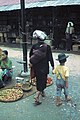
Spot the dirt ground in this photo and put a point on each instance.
(25, 110)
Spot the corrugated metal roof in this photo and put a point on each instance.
(8, 2)
(41, 4)
(9, 7)
(13, 2)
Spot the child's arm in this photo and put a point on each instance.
(53, 71)
(66, 82)
(66, 76)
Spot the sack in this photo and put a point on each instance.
(38, 55)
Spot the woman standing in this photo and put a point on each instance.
(69, 32)
(40, 55)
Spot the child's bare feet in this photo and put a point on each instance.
(58, 101)
(68, 98)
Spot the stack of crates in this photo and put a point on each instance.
(76, 47)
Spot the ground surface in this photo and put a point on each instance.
(24, 108)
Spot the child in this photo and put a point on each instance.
(62, 74)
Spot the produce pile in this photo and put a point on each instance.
(10, 94)
(49, 81)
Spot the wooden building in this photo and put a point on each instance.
(45, 15)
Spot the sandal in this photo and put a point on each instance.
(36, 99)
(43, 94)
(37, 103)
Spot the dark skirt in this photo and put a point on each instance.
(41, 80)
(69, 43)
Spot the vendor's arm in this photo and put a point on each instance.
(6, 65)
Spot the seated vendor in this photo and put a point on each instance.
(6, 66)
(1, 81)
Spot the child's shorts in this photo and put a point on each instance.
(61, 84)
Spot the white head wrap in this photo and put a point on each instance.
(69, 24)
(39, 34)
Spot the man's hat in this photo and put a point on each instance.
(62, 56)
(40, 34)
